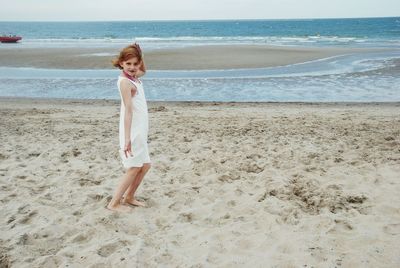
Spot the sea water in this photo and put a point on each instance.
(372, 76)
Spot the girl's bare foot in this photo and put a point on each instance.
(133, 202)
(119, 208)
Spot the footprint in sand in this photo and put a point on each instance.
(89, 182)
(231, 203)
(186, 217)
(170, 194)
(110, 248)
(34, 154)
(80, 238)
(23, 239)
(27, 218)
(251, 167)
(393, 229)
(341, 226)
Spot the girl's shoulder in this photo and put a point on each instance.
(128, 82)
(133, 81)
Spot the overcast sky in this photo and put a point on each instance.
(88, 10)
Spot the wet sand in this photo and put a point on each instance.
(188, 58)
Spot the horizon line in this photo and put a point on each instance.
(218, 19)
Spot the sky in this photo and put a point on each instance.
(122, 10)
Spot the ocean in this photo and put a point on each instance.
(366, 77)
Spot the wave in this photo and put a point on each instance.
(176, 41)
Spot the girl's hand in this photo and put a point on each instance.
(127, 148)
(142, 67)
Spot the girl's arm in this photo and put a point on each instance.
(142, 69)
(127, 90)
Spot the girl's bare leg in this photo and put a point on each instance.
(130, 192)
(127, 180)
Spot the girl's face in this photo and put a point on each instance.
(130, 66)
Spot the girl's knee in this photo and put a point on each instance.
(146, 166)
(133, 170)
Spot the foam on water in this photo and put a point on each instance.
(152, 43)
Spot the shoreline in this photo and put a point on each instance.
(202, 57)
(41, 100)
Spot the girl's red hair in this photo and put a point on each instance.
(131, 51)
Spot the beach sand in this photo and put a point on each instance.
(231, 185)
(187, 58)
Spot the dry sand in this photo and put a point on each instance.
(188, 58)
(231, 185)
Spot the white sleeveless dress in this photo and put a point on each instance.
(139, 128)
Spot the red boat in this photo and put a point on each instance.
(10, 38)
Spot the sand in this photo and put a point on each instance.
(231, 185)
(187, 58)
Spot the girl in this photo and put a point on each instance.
(133, 128)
